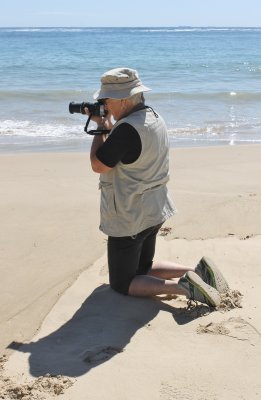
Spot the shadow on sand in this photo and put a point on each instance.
(100, 329)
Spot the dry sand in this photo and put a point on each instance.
(83, 341)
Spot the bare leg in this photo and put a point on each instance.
(145, 285)
(168, 270)
(158, 280)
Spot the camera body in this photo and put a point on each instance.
(96, 109)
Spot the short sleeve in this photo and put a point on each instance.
(123, 144)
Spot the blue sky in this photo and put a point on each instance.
(130, 13)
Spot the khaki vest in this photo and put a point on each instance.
(134, 196)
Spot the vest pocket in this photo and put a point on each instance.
(107, 207)
(154, 200)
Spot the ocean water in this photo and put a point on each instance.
(206, 82)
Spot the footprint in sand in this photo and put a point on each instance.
(101, 353)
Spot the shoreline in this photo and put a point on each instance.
(30, 145)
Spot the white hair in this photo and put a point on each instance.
(136, 99)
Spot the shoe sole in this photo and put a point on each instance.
(210, 293)
(218, 280)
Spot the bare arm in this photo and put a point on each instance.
(97, 165)
(98, 140)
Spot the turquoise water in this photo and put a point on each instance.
(206, 82)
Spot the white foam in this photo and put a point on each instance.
(31, 129)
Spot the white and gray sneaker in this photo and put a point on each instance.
(199, 290)
(210, 273)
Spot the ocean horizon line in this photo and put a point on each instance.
(132, 27)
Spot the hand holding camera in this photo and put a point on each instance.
(97, 113)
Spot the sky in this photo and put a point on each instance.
(129, 13)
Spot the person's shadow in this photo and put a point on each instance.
(100, 329)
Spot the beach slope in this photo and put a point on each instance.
(71, 335)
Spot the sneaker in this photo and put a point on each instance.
(209, 272)
(199, 290)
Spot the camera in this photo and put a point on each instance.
(96, 109)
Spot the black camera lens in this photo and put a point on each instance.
(75, 107)
(96, 109)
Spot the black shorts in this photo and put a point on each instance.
(129, 256)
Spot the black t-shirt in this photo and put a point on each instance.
(123, 144)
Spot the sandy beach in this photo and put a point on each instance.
(65, 333)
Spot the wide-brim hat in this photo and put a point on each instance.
(120, 83)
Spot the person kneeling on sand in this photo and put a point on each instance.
(133, 162)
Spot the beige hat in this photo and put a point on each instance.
(120, 83)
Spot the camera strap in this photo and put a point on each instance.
(94, 131)
(106, 131)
